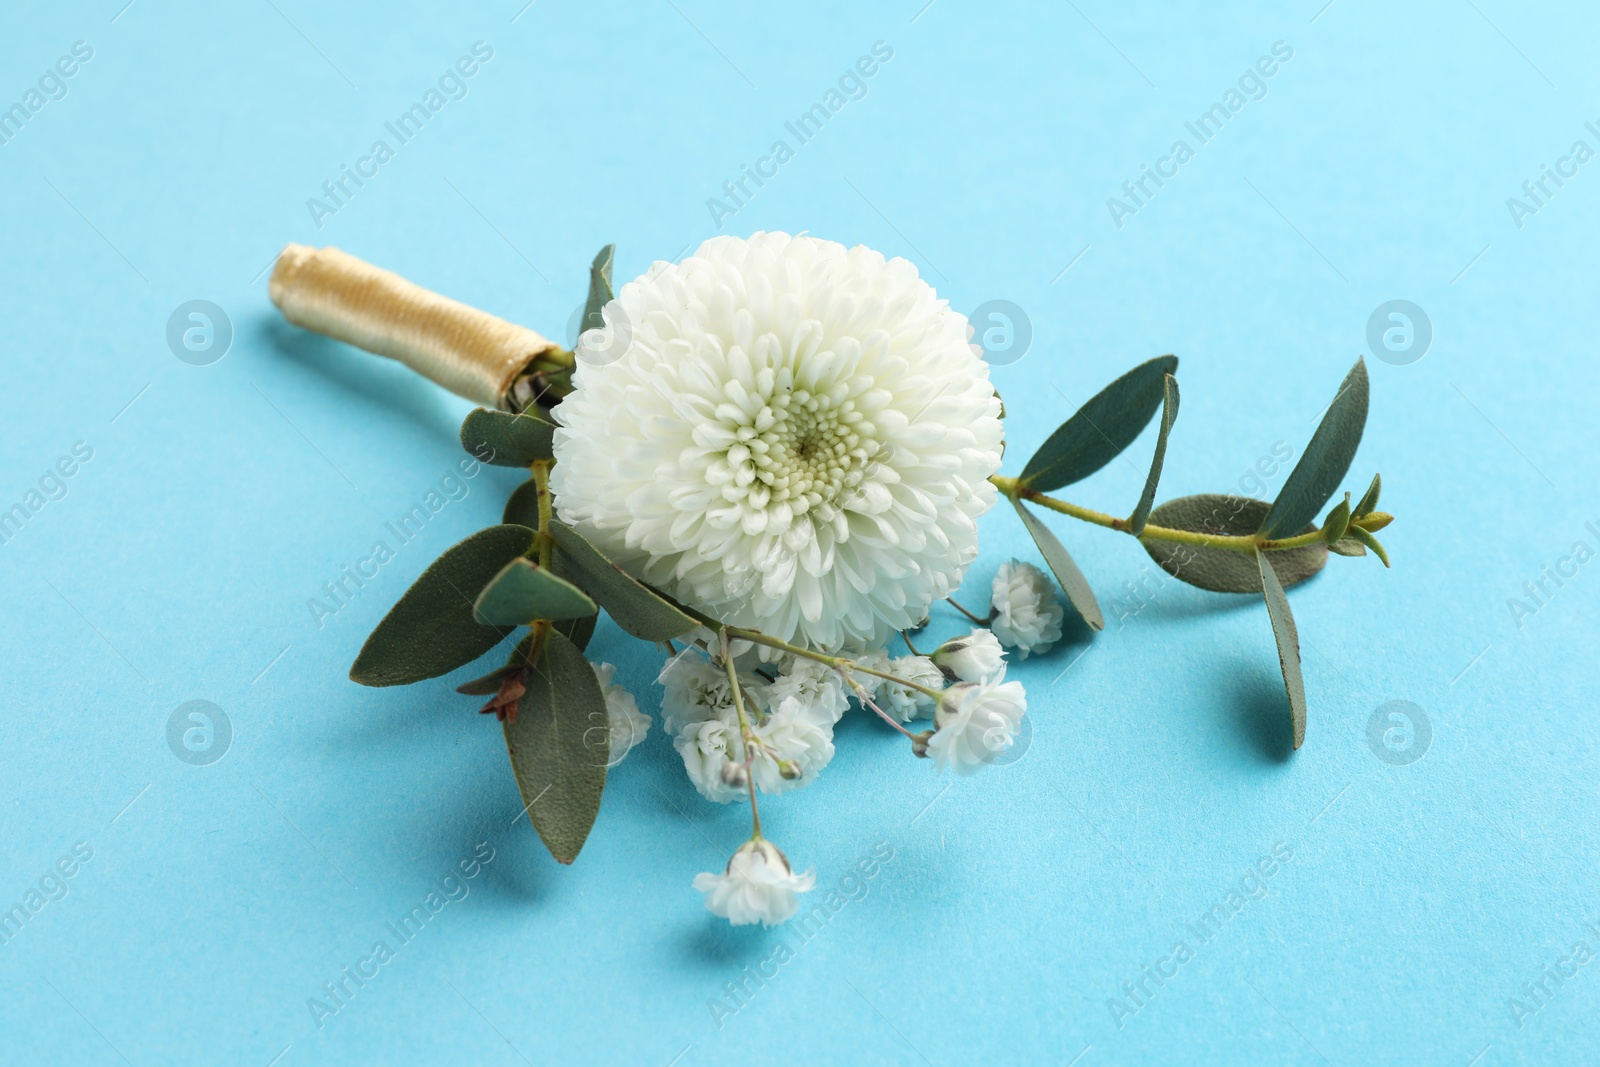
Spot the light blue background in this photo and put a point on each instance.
(1419, 898)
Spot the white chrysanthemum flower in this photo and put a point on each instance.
(903, 702)
(796, 437)
(817, 688)
(625, 724)
(758, 886)
(976, 721)
(705, 748)
(972, 658)
(1027, 612)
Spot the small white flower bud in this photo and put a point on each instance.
(734, 775)
(789, 770)
(970, 659)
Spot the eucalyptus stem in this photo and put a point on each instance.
(541, 483)
(746, 735)
(838, 663)
(1234, 543)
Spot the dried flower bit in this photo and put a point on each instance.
(504, 703)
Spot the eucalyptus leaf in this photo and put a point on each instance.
(1073, 583)
(1348, 546)
(523, 506)
(1101, 429)
(600, 293)
(1223, 570)
(1288, 639)
(559, 747)
(1337, 522)
(578, 630)
(634, 606)
(524, 591)
(1369, 499)
(1326, 459)
(507, 440)
(1371, 542)
(431, 630)
(1169, 415)
(489, 684)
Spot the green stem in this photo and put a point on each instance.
(838, 663)
(746, 735)
(541, 482)
(981, 622)
(867, 702)
(1232, 543)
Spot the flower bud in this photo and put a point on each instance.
(970, 659)
(789, 769)
(735, 775)
(919, 744)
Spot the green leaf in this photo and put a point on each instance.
(431, 631)
(600, 293)
(1369, 499)
(1337, 522)
(1223, 570)
(578, 630)
(1100, 429)
(635, 607)
(559, 747)
(506, 440)
(1325, 461)
(1169, 415)
(1371, 542)
(523, 506)
(1348, 546)
(523, 591)
(1288, 638)
(1067, 573)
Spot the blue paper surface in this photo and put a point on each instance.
(1417, 910)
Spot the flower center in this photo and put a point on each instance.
(795, 450)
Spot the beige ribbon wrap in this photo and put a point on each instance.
(471, 353)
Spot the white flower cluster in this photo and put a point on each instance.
(791, 717)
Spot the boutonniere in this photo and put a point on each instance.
(770, 460)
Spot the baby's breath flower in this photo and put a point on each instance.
(1027, 611)
(757, 886)
(976, 722)
(903, 702)
(626, 725)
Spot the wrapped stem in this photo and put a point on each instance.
(472, 353)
